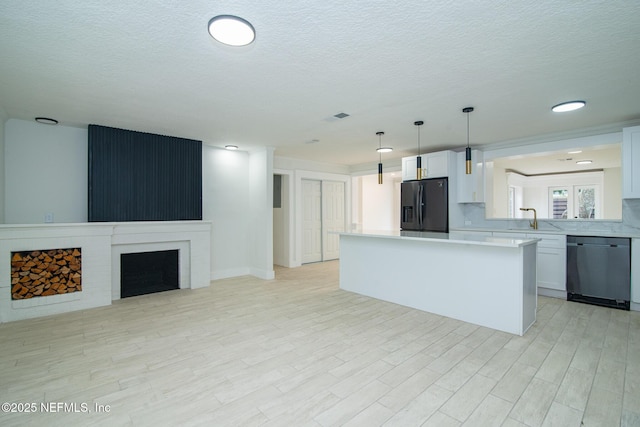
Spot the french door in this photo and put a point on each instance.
(577, 201)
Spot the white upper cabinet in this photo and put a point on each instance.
(631, 163)
(434, 165)
(409, 166)
(470, 187)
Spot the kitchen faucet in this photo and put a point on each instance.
(533, 224)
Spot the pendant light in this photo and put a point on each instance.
(379, 150)
(467, 151)
(419, 158)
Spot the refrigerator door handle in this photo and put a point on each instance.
(419, 206)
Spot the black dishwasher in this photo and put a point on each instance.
(599, 270)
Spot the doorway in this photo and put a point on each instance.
(323, 214)
(281, 220)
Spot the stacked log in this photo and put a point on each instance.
(46, 272)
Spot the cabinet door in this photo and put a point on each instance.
(552, 261)
(631, 163)
(551, 268)
(409, 165)
(437, 164)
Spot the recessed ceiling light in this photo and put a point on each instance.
(384, 149)
(231, 147)
(231, 30)
(568, 106)
(584, 162)
(46, 121)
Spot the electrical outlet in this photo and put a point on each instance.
(48, 217)
(467, 222)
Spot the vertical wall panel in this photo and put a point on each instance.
(136, 176)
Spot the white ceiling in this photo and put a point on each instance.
(152, 67)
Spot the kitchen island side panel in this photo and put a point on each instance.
(484, 285)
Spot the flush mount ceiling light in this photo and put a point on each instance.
(584, 162)
(231, 147)
(568, 106)
(46, 121)
(231, 30)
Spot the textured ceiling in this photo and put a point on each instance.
(152, 67)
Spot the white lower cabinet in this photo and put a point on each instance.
(552, 265)
(551, 262)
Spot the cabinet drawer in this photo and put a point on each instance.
(550, 240)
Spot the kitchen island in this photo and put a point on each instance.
(487, 281)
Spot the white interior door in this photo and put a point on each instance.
(332, 218)
(311, 221)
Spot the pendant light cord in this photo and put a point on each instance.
(467, 130)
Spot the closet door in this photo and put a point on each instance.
(332, 218)
(311, 221)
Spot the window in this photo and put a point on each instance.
(578, 201)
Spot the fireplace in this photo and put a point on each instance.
(92, 252)
(148, 272)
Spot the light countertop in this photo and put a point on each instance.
(595, 232)
(457, 237)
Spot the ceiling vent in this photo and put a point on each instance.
(340, 115)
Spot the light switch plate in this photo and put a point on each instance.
(48, 217)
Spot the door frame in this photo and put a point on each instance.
(290, 242)
(296, 235)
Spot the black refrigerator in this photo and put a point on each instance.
(425, 205)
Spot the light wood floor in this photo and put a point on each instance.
(298, 351)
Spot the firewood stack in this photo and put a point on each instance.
(47, 272)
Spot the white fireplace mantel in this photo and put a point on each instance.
(102, 244)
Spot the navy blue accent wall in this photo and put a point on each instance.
(137, 176)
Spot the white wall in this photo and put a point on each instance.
(380, 203)
(260, 225)
(286, 163)
(225, 202)
(3, 119)
(45, 171)
(611, 202)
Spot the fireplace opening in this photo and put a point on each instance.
(148, 272)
